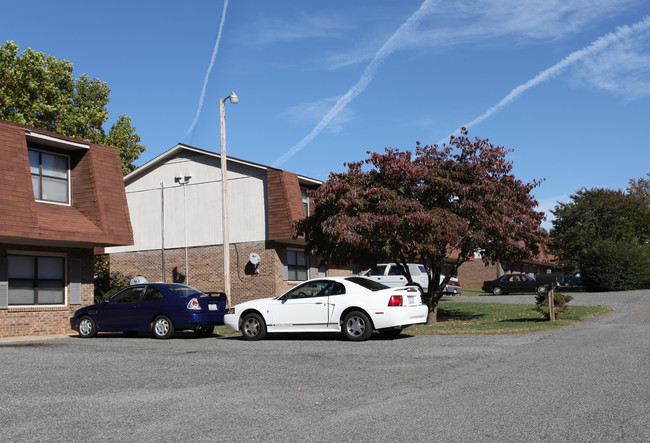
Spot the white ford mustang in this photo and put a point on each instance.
(352, 305)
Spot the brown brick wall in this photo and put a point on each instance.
(16, 322)
(206, 268)
(473, 273)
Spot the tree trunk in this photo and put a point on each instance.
(432, 317)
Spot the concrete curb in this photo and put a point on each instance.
(33, 338)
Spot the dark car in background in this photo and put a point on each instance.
(574, 279)
(514, 283)
(160, 308)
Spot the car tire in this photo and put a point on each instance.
(87, 327)
(253, 327)
(162, 327)
(356, 326)
(390, 332)
(497, 291)
(542, 289)
(204, 331)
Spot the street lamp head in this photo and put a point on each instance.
(233, 98)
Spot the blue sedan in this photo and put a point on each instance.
(161, 308)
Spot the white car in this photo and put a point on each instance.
(391, 275)
(352, 305)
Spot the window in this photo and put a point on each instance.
(296, 265)
(338, 289)
(129, 295)
(153, 294)
(308, 290)
(378, 270)
(367, 283)
(183, 290)
(49, 176)
(305, 200)
(36, 280)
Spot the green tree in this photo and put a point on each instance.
(39, 90)
(610, 265)
(597, 214)
(439, 206)
(123, 137)
(640, 189)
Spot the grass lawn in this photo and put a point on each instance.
(490, 318)
(500, 318)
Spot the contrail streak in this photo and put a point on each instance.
(597, 45)
(390, 46)
(207, 74)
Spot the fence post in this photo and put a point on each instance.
(551, 303)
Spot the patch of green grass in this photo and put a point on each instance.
(471, 292)
(500, 318)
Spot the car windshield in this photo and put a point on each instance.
(182, 290)
(377, 270)
(367, 283)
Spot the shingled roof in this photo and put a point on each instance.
(98, 214)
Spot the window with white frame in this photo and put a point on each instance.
(50, 173)
(36, 280)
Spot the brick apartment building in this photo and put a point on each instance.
(176, 213)
(59, 199)
(175, 201)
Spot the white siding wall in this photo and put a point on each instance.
(199, 214)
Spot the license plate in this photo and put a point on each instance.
(212, 307)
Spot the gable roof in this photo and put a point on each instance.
(183, 147)
(98, 215)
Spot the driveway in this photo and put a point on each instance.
(586, 383)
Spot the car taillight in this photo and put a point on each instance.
(395, 300)
(193, 305)
(453, 283)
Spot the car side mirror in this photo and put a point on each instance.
(107, 300)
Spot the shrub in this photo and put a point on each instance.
(107, 283)
(560, 300)
(112, 284)
(615, 266)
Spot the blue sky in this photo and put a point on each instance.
(565, 83)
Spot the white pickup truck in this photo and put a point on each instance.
(391, 275)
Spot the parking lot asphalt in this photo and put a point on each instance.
(585, 383)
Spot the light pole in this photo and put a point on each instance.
(184, 179)
(224, 193)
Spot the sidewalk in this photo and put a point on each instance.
(33, 338)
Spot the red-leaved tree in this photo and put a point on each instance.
(438, 206)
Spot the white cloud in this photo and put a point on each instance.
(484, 22)
(210, 66)
(532, 19)
(622, 69)
(597, 47)
(312, 112)
(271, 30)
(393, 42)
